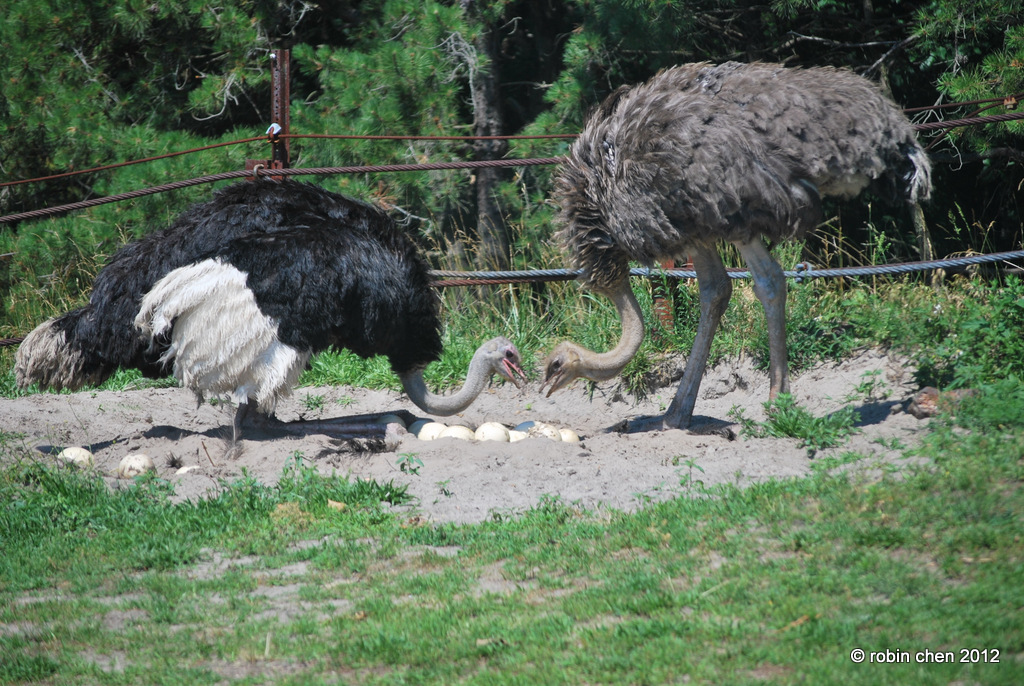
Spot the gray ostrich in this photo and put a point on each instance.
(704, 154)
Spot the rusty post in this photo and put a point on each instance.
(280, 63)
(662, 304)
(280, 125)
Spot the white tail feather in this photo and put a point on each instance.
(221, 343)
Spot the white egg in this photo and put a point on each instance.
(80, 457)
(569, 436)
(514, 435)
(429, 431)
(187, 468)
(458, 431)
(135, 464)
(491, 431)
(545, 430)
(391, 419)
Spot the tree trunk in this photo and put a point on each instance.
(488, 121)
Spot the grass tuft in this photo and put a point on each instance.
(785, 419)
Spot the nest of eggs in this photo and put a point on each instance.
(429, 430)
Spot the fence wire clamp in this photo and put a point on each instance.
(272, 132)
(803, 270)
(256, 170)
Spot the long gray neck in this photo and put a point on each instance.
(608, 365)
(477, 377)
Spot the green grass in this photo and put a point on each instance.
(960, 335)
(774, 583)
(786, 419)
(316, 580)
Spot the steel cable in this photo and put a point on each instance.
(800, 272)
(448, 278)
(223, 176)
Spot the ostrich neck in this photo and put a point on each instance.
(608, 365)
(444, 405)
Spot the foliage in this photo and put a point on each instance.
(979, 344)
(88, 84)
(785, 419)
(979, 48)
(403, 75)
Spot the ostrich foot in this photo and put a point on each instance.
(365, 431)
(366, 436)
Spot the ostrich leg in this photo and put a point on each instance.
(715, 291)
(770, 289)
(354, 426)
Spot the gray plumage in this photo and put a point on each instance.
(703, 154)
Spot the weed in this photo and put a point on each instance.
(9, 438)
(686, 481)
(871, 389)
(552, 509)
(786, 419)
(313, 403)
(409, 463)
(301, 482)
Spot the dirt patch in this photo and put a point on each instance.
(463, 481)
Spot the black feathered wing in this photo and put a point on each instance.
(309, 282)
(365, 291)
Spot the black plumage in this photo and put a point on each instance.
(273, 272)
(359, 286)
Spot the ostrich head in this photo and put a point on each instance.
(503, 359)
(563, 366)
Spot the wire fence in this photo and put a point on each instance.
(364, 169)
(804, 270)
(800, 272)
(445, 278)
(291, 171)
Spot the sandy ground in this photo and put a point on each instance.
(464, 481)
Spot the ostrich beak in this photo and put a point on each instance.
(553, 382)
(555, 378)
(510, 368)
(563, 366)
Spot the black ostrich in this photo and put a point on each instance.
(704, 154)
(240, 291)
